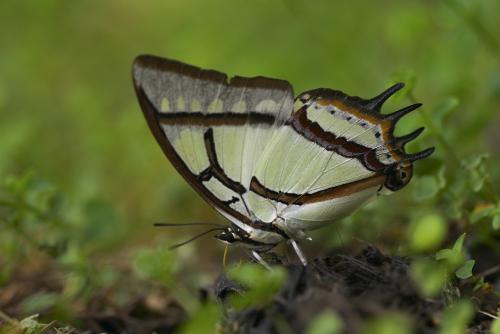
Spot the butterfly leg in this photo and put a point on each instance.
(299, 252)
(260, 260)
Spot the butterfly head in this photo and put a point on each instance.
(228, 236)
(398, 176)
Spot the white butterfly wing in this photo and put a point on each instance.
(258, 158)
(211, 129)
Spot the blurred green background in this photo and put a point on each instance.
(83, 178)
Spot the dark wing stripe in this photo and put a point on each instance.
(319, 196)
(216, 119)
(215, 169)
(329, 141)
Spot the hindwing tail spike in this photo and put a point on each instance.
(403, 140)
(396, 116)
(375, 103)
(419, 155)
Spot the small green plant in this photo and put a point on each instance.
(260, 284)
(391, 323)
(457, 317)
(432, 275)
(206, 319)
(157, 264)
(40, 228)
(495, 326)
(327, 322)
(30, 325)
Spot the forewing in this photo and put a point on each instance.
(211, 129)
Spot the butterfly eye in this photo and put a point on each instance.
(398, 178)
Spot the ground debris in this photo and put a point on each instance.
(355, 287)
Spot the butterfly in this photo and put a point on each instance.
(275, 166)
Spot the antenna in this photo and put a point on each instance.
(195, 237)
(187, 224)
(218, 227)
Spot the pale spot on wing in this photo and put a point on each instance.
(239, 107)
(195, 105)
(261, 207)
(297, 105)
(189, 145)
(165, 105)
(231, 140)
(181, 104)
(266, 105)
(219, 190)
(225, 194)
(216, 106)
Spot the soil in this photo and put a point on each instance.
(356, 287)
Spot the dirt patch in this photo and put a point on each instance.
(355, 287)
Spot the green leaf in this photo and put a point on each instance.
(441, 177)
(391, 323)
(426, 188)
(442, 110)
(429, 276)
(454, 256)
(496, 222)
(74, 283)
(30, 325)
(465, 271)
(458, 245)
(475, 161)
(39, 302)
(495, 326)
(156, 264)
(427, 232)
(481, 211)
(74, 257)
(260, 284)
(204, 320)
(476, 170)
(102, 222)
(327, 322)
(457, 317)
(409, 78)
